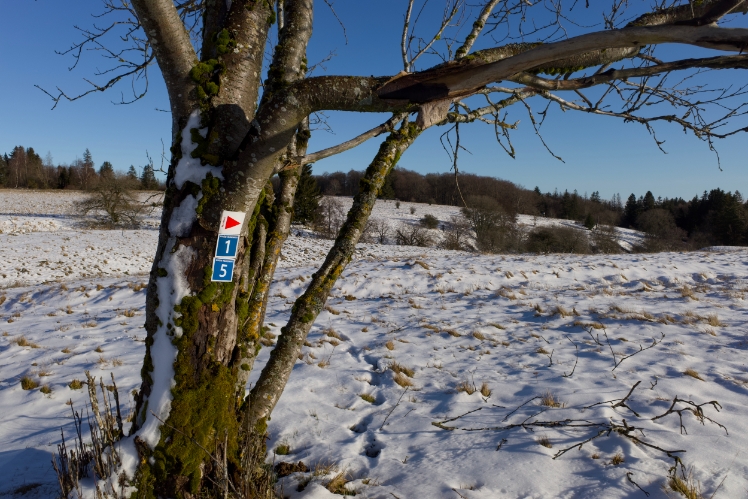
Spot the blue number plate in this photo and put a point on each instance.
(223, 270)
(227, 246)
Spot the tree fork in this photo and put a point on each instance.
(275, 374)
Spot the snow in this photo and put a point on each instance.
(451, 317)
(189, 169)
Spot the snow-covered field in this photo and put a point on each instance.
(528, 327)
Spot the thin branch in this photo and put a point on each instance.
(404, 41)
(478, 26)
(387, 126)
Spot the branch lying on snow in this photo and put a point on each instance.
(641, 349)
(603, 428)
(575, 361)
(695, 409)
(621, 402)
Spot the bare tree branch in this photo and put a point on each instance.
(478, 26)
(387, 126)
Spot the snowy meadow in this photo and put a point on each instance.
(430, 374)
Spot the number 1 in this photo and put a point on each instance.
(228, 246)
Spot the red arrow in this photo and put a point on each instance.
(230, 222)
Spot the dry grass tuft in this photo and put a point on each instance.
(452, 332)
(545, 442)
(550, 400)
(130, 312)
(390, 345)
(688, 292)
(46, 389)
(332, 310)
(595, 455)
(368, 397)
(710, 331)
(21, 341)
(422, 264)
(467, 387)
(485, 390)
(76, 384)
(402, 380)
(714, 321)
(542, 351)
(66, 350)
(349, 297)
(401, 369)
(28, 383)
(99, 350)
(498, 326)
(693, 374)
(338, 484)
(479, 336)
(688, 486)
(618, 459)
(332, 334)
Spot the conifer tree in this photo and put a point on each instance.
(106, 170)
(3, 169)
(630, 212)
(387, 191)
(148, 180)
(306, 199)
(132, 174)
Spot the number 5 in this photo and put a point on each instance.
(222, 272)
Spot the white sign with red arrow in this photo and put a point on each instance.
(227, 245)
(231, 223)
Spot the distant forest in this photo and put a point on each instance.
(23, 168)
(716, 217)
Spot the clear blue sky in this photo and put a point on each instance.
(600, 153)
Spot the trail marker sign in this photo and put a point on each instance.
(227, 245)
(223, 270)
(231, 223)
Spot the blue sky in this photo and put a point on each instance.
(600, 153)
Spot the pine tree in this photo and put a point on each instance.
(148, 180)
(589, 222)
(87, 171)
(106, 170)
(63, 177)
(132, 174)
(306, 199)
(387, 191)
(630, 212)
(649, 201)
(3, 169)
